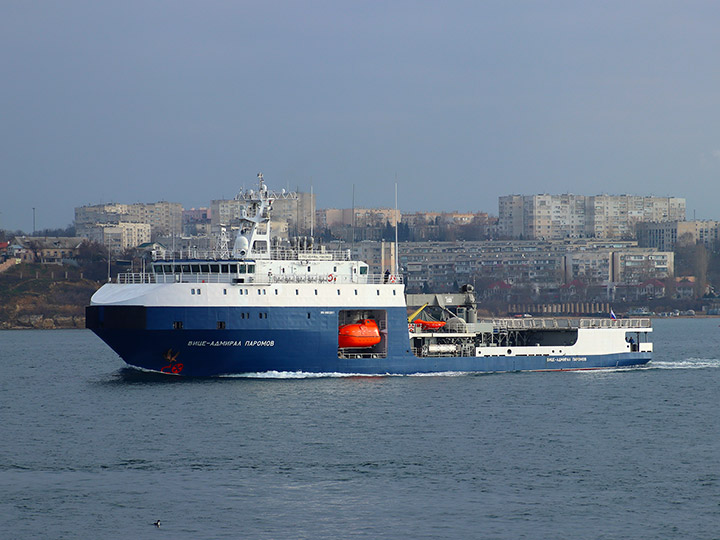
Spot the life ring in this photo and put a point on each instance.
(392, 278)
(331, 278)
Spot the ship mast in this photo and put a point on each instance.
(253, 240)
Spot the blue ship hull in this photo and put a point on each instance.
(256, 340)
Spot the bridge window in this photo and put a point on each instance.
(233, 268)
(195, 268)
(205, 268)
(215, 268)
(250, 268)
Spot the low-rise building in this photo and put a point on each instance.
(46, 249)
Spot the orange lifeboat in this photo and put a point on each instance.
(429, 325)
(360, 335)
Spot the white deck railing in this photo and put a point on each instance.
(282, 254)
(256, 279)
(560, 323)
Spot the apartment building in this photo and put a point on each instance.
(89, 217)
(572, 216)
(380, 256)
(164, 218)
(639, 264)
(616, 216)
(121, 236)
(664, 235)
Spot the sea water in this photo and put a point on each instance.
(92, 449)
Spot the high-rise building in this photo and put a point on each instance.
(164, 218)
(574, 216)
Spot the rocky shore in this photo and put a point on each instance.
(32, 297)
(43, 322)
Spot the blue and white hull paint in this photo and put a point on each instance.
(167, 328)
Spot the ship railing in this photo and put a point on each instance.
(279, 254)
(372, 279)
(565, 323)
(616, 323)
(529, 324)
(309, 254)
(257, 279)
(134, 278)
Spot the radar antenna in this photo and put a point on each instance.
(222, 248)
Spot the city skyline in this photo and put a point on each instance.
(460, 103)
(496, 213)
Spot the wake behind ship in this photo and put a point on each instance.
(265, 306)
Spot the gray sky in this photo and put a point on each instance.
(463, 101)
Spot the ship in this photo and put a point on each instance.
(267, 306)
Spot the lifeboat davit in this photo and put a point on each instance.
(429, 325)
(360, 335)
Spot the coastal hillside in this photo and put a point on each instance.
(45, 296)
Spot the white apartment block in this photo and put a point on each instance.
(553, 217)
(121, 236)
(164, 218)
(380, 256)
(638, 264)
